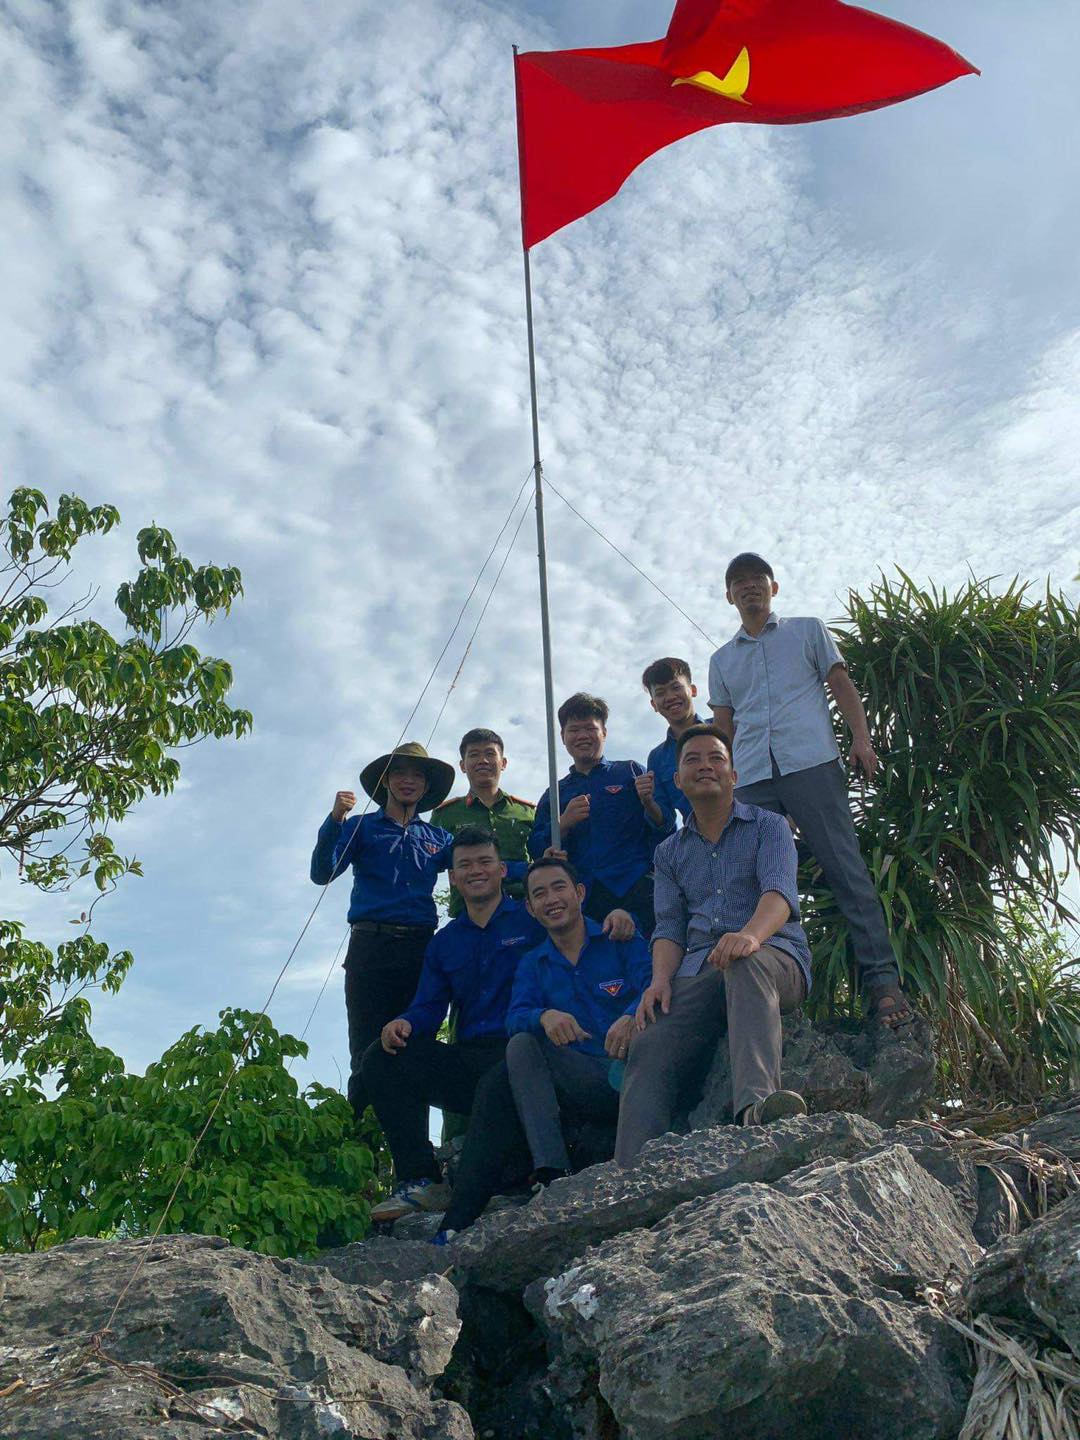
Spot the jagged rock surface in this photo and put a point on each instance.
(769, 1310)
(213, 1340)
(887, 1076)
(507, 1250)
(1034, 1277)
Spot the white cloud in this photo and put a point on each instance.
(265, 288)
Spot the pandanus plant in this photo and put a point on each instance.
(972, 825)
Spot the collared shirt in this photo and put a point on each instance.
(394, 866)
(775, 684)
(510, 820)
(615, 844)
(473, 967)
(662, 762)
(703, 891)
(606, 983)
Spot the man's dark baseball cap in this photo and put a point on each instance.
(747, 561)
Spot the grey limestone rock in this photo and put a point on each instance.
(213, 1340)
(1034, 1277)
(506, 1251)
(769, 1311)
(887, 1076)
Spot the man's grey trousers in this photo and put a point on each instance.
(549, 1081)
(817, 800)
(746, 1001)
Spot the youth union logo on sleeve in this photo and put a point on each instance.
(612, 987)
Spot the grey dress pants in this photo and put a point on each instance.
(550, 1080)
(817, 800)
(746, 1001)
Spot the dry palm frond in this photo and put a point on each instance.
(1048, 1175)
(1025, 1388)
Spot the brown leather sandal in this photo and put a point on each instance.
(889, 1008)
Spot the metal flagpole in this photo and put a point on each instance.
(541, 539)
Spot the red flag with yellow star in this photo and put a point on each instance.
(587, 118)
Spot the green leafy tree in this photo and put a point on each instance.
(973, 700)
(278, 1171)
(90, 723)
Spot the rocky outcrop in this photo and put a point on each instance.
(508, 1250)
(769, 1310)
(213, 1340)
(1034, 1277)
(887, 1076)
(778, 1282)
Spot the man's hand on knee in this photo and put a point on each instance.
(733, 946)
(658, 993)
(394, 1035)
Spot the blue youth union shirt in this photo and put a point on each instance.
(394, 866)
(662, 763)
(473, 967)
(606, 983)
(615, 844)
(774, 683)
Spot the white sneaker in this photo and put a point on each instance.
(430, 1196)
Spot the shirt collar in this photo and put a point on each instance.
(592, 931)
(472, 799)
(504, 906)
(602, 764)
(696, 721)
(770, 624)
(739, 811)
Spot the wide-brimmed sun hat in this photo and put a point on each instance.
(440, 775)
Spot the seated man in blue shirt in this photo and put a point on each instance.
(610, 820)
(728, 953)
(396, 858)
(571, 1012)
(471, 964)
(671, 692)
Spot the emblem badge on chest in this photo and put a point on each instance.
(613, 789)
(612, 987)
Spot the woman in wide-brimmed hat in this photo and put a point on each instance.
(396, 858)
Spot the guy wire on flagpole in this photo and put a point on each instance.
(541, 539)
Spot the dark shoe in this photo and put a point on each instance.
(545, 1176)
(780, 1105)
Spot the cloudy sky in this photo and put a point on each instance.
(262, 285)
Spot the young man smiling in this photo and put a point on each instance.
(672, 692)
(571, 1015)
(610, 821)
(767, 693)
(483, 761)
(396, 859)
(728, 953)
(470, 964)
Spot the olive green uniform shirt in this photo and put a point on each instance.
(511, 820)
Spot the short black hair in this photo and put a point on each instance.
(583, 707)
(662, 672)
(747, 560)
(480, 736)
(696, 732)
(550, 862)
(474, 835)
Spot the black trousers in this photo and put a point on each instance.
(400, 1087)
(638, 900)
(381, 974)
(495, 1150)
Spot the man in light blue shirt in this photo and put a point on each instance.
(767, 691)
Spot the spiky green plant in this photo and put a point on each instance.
(973, 699)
